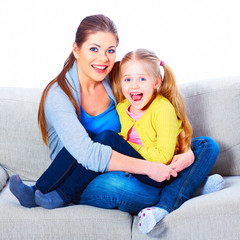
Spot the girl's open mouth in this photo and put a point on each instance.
(136, 96)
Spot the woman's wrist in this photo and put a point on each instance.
(120, 162)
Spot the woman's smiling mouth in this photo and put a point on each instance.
(99, 68)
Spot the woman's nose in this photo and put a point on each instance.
(104, 57)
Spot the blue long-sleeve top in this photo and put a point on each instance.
(65, 129)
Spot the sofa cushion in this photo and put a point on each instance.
(72, 222)
(213, 108)
(3, 178)
(210, 216)
(21, 148)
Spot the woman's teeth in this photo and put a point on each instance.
(99, 67)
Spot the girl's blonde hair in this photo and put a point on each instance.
(168, 88)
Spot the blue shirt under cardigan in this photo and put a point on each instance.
(65, 129)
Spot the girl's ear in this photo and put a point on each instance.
(158, 82)
(75, 50)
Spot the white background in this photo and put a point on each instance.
(198, 39)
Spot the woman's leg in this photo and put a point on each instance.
(60, 168)
(70, 190)
(181, 188)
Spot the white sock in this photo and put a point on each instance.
(212, 184)
(149, 217)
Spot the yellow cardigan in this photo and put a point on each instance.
(158, 129)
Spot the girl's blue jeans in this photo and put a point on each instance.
(124, 191)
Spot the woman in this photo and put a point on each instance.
(77, 105)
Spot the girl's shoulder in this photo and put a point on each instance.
(122, 105)
(162, 101)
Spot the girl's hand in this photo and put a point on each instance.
(160, 172)
(182, 161)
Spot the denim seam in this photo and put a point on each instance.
(61, 193)
(189, 176)
(57, 181)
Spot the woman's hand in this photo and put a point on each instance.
(160, 172)
(182, 161)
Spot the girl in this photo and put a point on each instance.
(80, 101)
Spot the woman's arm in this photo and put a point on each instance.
(155, 170)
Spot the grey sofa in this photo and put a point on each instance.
(213, 107)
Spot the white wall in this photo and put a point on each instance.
(198, 39)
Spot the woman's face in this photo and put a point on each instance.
(96, 57)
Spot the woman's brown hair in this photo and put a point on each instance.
(89, 25)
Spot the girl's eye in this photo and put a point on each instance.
(127, 80)
(94, 49)
(142, 79)
(111, 51)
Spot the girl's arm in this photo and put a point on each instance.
(183, 160)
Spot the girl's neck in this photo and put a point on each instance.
(135, 111)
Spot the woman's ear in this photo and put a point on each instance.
(75, 50)
(158, 82)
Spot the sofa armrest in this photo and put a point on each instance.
(3, 178)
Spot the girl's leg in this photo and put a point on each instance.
(178, 190)
(181, 188)
(118, 190)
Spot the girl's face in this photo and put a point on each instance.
(138, 86)
(96, 56)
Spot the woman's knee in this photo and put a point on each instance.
(106, 137)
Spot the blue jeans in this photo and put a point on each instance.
(69, 178)
(124, 191)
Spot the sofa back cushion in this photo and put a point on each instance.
(21, 147)
(213, 108)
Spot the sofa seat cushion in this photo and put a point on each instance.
(73, 222)
(210, 216)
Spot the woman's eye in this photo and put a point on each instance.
(142, 79)
(111, 51)
(94, 49)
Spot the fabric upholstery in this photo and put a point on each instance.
(21, 148)
(73, 222)
(3, 178)
(211, 216)
(213, 107)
